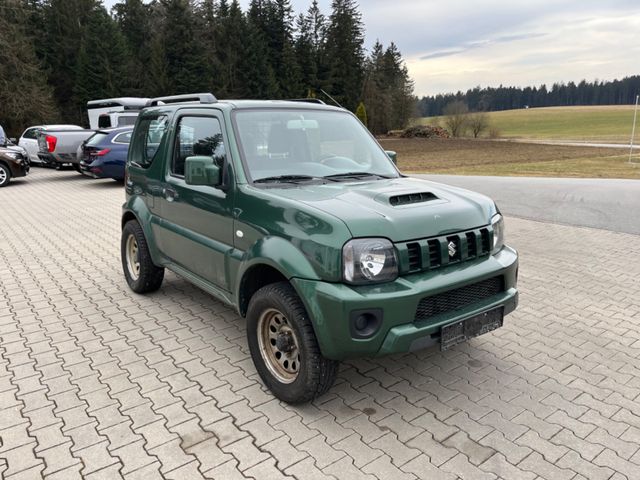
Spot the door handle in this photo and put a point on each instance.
(170, 194)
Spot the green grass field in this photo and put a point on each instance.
(599, 124)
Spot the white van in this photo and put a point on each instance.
(117, 119)
(114, 108)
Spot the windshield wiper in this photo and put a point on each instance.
(349, 175)
(286, 179)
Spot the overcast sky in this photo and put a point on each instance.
(458, 44)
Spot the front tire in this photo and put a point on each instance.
(5, 175)
(139, 270)
(284, 347)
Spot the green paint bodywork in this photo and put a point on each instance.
(216, 237)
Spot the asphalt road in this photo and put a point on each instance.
(600, 203)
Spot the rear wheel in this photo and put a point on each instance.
(139, 270)
(5, 175)
(284, 347)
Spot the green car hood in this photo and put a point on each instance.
(399, 209)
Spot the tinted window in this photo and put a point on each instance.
(197, 136)
(104, 121)
(126, 121)
(147, 139)
(123, 137)
(96, 139)
(30, 133)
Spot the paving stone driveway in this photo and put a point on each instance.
(98, 382)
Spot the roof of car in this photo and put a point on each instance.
(58, 127)
(249, 104)
(116, 129)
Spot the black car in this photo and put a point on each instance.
(14, 162)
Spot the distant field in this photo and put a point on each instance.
(601, 123)
(487, 157)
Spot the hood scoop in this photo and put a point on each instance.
(409, 198)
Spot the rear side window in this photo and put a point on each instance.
(122, 138)
(104, 121)
(126, 121)
(147, 139)
(197, 136)
(96, 139)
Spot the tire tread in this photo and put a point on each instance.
(322, 371)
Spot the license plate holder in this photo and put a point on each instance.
(463, 330)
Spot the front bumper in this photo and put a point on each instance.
(330, 306)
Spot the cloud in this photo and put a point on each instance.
(481, 44)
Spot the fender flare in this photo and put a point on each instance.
(136, 207)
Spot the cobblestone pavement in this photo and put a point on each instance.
(98, 382)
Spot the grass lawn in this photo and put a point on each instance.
(487, 157)
(610, 123)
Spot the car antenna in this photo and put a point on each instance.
(331, 98)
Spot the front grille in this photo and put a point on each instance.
(414, 255)
(432, 253)
(459, 298)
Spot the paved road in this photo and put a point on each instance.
(599, 203)
(98, 382)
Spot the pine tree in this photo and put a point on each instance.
(101, 67)
(184, 54)
(59, 44)
(361, 113)
(133, 19)
(24, 94)
(207, 22)
(309, 47)
(231, 37)
(345, 53)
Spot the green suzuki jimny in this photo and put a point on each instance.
(293, 214)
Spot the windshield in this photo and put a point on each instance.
(308, 145)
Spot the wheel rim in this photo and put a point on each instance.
(279, 346)
(3, 176)
(133, 260)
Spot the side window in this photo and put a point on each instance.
(148, 138)
(30, 133)
(123, 138)
(126, 120)
(197, 136)
(104, 121)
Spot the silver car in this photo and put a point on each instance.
(29, 138)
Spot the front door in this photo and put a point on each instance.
(197, 220)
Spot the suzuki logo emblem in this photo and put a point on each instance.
(452, 249)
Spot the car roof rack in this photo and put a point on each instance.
(307, 100)
(205, 98)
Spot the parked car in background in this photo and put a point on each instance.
(104, 154)
(59, 147)
(14, 162)
(96, 109)
(29, 138)
(118, 119)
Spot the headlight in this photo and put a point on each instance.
(369, 260)
(497, 223)
(13, 155)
